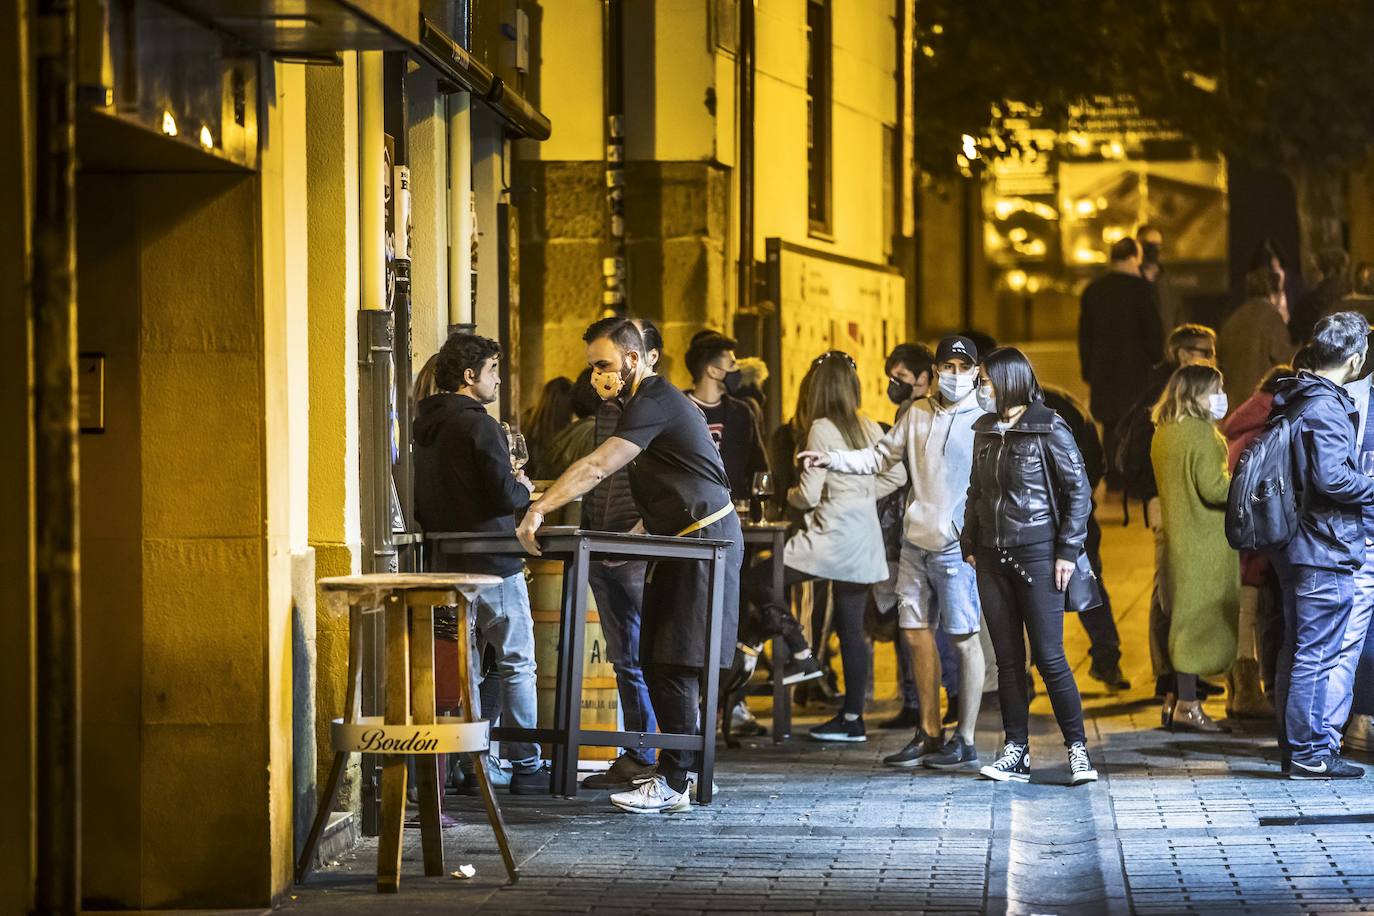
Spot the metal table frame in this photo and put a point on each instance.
(575, 548)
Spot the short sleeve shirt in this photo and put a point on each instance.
(679, 477)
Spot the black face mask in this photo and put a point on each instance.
(732, 381)
(1149, 252)
(899, 392)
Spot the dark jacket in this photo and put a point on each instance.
(609, 506)
(463, 477)
(1084, 432)
(1009, 503)
(736, 431)
(1119, 339)
(1331, 491)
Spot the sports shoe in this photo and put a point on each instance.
(1012, 766)
(956, 753)
(841, 729)
(1112, 677)
(1080, 765)
(535, 782)
(691, 783)
(916, 750)
(620, 775)
(1329, 767)
(743, 724)
(653, 796)
(801, 669)
(906, 718)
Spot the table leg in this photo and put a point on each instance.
(577, 570)
(423, 712)
(563, 666)
(479, 761)
(394, 765)
(782, 696)
(353, 682)
(711, 672)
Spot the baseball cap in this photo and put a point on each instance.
(956, 346)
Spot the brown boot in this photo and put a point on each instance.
(1190, 717)
(1245, 698)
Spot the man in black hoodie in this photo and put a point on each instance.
(1316, 568)
(464, 482)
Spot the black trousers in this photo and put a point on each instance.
(1104, 643)
(675, 692)
(849, 598)
(1016, 587)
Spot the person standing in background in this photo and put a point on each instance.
(545, 421)
(1171, 311)
(1119, 339)
(1333, 266)
(734, 428)
(1254, 338)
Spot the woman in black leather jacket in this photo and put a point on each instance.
(1024, 526)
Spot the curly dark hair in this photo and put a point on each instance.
(460, 353)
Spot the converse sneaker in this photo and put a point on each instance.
(1329, 767)
(1080, 765)
(653, 796)
(1012, 766)
(956, 753)
(916, 750)
(841, 729)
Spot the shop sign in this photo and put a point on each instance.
(371, 735)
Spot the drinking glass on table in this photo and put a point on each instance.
(759, 491)
(519, 451)
(1367, 463)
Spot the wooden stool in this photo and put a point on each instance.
(410, 726)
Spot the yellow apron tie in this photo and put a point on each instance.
(708, 520)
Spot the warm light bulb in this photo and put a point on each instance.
(206, 139)
(169, 124)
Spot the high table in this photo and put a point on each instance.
(773, 535)
(575, 548)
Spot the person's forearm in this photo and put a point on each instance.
(578, 480)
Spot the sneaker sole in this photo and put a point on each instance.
(944, 765)
(905, 764)
(672, 809)
(804, 676)
(1312, 777)
(999, 776)
(852, 739)
(1079, 779)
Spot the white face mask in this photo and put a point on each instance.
(987, 401)
(956, 386)
(1220, 406)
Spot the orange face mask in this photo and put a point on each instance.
(607, 384)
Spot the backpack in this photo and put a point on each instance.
(1131, 459)
(1262, 505)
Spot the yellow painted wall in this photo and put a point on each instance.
(569, 80)
(17, 815)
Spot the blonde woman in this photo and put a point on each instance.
(1189, 456)
(843, 541)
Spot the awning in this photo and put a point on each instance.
(466, 72)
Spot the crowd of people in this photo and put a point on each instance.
(965, 528)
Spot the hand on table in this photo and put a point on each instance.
(526, 531)
(524, 481)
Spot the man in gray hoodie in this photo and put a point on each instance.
(935, 587)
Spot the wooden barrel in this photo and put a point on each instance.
(600, 700)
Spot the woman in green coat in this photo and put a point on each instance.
(1189, 456)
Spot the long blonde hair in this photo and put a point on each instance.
(1183, 394)
(835, 395)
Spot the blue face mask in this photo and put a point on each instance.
(955, 386)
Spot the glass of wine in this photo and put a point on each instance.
(760, 490)
(519, 451)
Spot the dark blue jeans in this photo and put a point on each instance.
(619, 593)
(1317, 604)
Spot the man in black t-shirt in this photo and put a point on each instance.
(733, 425)
(680, 487)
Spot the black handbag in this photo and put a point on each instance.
(1083, 593)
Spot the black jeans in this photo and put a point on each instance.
(849, 598)
(1104, 643)
(675, 691)
(1016, 587)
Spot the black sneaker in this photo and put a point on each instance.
(1112, 677)
(906, 718)
(620, 775)
(841, 729)
(1080, 765)
(535, 782)
(1330, 767)
(956, 753)
(801, 669)
(1012, 766)
(917, 749)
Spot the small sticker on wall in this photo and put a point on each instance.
(90, 392)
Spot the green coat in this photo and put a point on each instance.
(1202, 578)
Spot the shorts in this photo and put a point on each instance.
(937, 588)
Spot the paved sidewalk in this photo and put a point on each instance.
(1179, 824)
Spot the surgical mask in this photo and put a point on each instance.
(899, 392)
(732, 381)
(608, 384)
(1220, 406)
(955, 386)
(987, 401)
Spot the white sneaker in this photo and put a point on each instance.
(653, 796)
(691, 782)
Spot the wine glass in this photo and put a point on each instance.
(1367, 463)
(519, 451)
(761, 488)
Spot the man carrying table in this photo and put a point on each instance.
(680, 487)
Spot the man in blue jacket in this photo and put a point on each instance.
(1316, 568)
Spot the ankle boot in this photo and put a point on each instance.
(1190, 717)
(1244, 697)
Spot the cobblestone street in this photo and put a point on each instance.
(1178, 824)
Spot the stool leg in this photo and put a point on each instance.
(479, 761)
(353, 683)
(423, 713)
(394, 765)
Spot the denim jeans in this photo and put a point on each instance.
(502, 615)
(619, 593)
(1357, 631)
(1317, 606)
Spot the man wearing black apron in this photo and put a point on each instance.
(680, 487)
